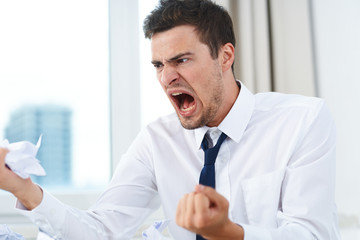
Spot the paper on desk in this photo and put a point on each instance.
(7, 234)
(21, 158)
(154, 232)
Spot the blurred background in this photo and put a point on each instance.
(79, 73)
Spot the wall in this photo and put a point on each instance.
(337, 53)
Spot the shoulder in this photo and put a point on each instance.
(274, 100)
(153, 135)
(167, 125)
(291, 107)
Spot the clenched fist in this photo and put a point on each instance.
(205, 212)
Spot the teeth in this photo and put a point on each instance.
(182, 107)
(187, 109)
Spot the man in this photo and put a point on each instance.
(274, 172)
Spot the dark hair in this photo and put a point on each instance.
(211, 21)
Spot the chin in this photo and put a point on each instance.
(190, 124)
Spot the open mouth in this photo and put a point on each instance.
(184, 101)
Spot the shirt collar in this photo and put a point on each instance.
(236, 121)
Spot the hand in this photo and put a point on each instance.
(8, 179)
(29, 194)
(205, 212)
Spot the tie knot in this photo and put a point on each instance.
(211, 136)
(206, 146)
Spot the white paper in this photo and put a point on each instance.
(155, 231)
(21, 158)
(7, 234)
(43, 236)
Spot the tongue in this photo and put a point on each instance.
(187, 101)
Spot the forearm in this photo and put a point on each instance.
(61, 221)
(231, 231)
(29, 194)
(102, 221)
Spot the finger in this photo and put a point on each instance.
(190, 204)
(180, 211)
(202, 206)
(190, 211)
(202, 203)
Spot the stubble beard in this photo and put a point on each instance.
(209, 113)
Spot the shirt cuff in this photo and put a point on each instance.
(49, 216)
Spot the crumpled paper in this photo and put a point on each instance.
(21, 158)
(43, 236)
(154, 232)
(7, 234)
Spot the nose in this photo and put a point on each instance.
(168, 75)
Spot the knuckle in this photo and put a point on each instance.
(199, 196)
(191, 195)
(183, 199)
(186, 196)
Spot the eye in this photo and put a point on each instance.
(182, 60)
(157, 65)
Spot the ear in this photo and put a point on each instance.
(227, 56)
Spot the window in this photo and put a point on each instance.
(54, 76)
(154, 102)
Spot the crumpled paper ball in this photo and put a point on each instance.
(7, 234)
(154, 232)
(21, 158)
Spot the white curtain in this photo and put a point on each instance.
(274, 45)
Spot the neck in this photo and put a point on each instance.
(231, 92)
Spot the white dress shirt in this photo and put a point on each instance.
(276, 168)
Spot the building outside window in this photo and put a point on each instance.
(54, 124)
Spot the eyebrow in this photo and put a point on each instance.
(173, 59)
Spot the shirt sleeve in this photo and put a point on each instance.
(130, 197)
(307, 201)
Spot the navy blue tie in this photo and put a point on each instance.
(207, 175)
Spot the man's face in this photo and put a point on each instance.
(190, 77)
